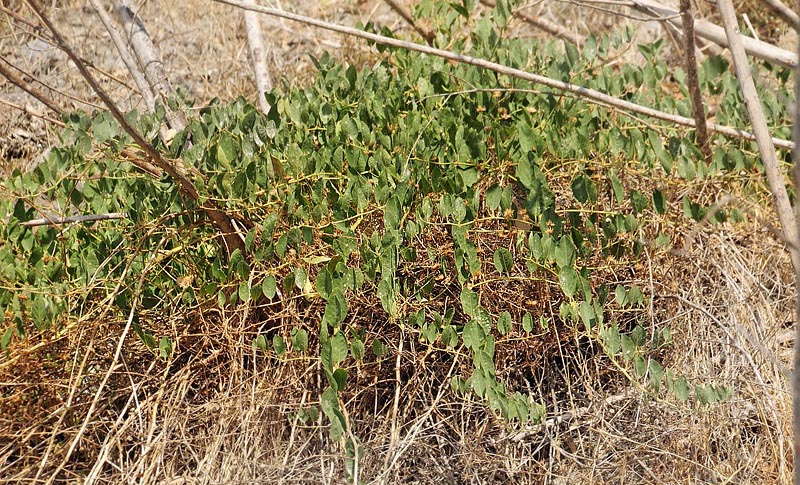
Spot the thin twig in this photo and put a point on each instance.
(33, 91)
(111, 368)
(765, 147)
(590, 95)
(788, 15)
(403, 12)
(32, 112)
(549, 27)
(55, 221)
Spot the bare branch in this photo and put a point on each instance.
(589, 95)
(788, 15)
(255, 43)
(125, 55)
(33, 91)
(765, 147)
(147, 55)
(547, 26)
(796, 363)
(403, 12)
(698, 110)
(715, 33)
(57, 221)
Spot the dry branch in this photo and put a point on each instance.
(698, 110)
(258, 56)
(403, 12)
(589, 95)
(220, 218)
(538, 22)
(125, 55)
(765, 147)
(715, 33)
(788, 15)
(32, 90)
(796, 359)
(56, 221)
(147, 55)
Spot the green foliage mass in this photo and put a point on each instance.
(339, 183)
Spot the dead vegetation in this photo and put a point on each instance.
(218, 412)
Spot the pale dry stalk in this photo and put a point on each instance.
(766, 148)
(258, 54)
(716, 34)
(588, 95)
(149, 60)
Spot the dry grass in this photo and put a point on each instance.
(216, 412)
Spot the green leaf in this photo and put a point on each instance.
(616, 186)
(527, 140)
(656, 373)
(494, 196)
(300, 278)
(639, 366)
(165, 347)
(299, 340)
(357, 349)
(6, 339)
(639, 336)
(260, 342)
(473, 335)
(269, 287)
(628, 347)
(378, 348)
(335, 310)
(340, 376)
(324, 283)
(338, 349)
(587, 314)
(225, 151)
(329, 402)
(526, 173)
(568, 279)
(659, 202)
(621, 296)
(503, 260)
(449, 336)
(504, 323)
(635, 296)
(388, 296)
(565, 252)
(527, 322)
(705, 394)
(611, 339)
(393, 214)
(469, 301)
(279, 345)
(638, 201)
(244, 291)
(583, 189)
